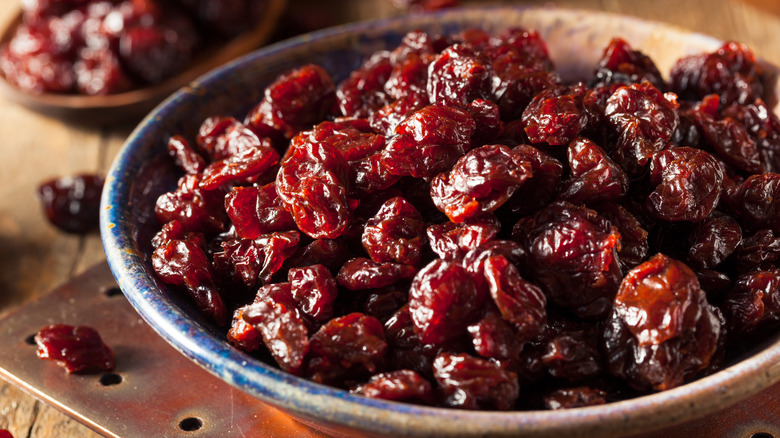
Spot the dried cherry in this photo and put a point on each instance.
(281, 328)
(395, 234)
(480, 182)
(644, 120)
(361, 273)
(573, 254)
(72, 203)
(452, 241)
(754, 301)
(429, 141)
(689, 184)
(77, 349)
(443, 299)
(620, 64)
(346, 347)
(674, 339)
(472, 383)
(594, 176)
(400, 385)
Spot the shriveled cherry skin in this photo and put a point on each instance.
(330, 253)
(361, 273)
(662, 331)
(313, 183)
(644, 120)
(521, 46)
(479, 182)
(295, 101)
(255, 211)
(543, 185)
(594, 176)
(72, 203)
(554, 115)
(410, 66)
(220, 137)
(571, 348)
(353, 139)
(443, 300)
(185, 156)
(689, 183)
(396, 233)
(429, 141)
(573, 254)
(362, 93)
(183, 263)
(473, 383)
(621, 64)
(756, 202)
(633, 237)
(347, 347)
(754, 301)
(245, 165)
(196, 209)
(494, 337)
(574, 398)
(474, 260)
(255, 261)
(459, 75)
(517, 87)
(173, 230)
(399, 385)
(763, 127)
(281, 328)
(242, 334)
(314, 289)
(760, 249)
(452, 241)
(731, 72)
(520, 302)
(79, 349)
(714, 239)
(487, 117)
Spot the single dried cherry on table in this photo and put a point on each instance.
(77, 349)
(72, 203)
(451, 221)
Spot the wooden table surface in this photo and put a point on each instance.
(35, 257)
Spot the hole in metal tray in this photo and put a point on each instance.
(110, 379)
(190, 424)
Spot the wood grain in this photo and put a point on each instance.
(34, 257)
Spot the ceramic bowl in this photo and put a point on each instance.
(141, 172)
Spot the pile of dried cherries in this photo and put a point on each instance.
(453, 225)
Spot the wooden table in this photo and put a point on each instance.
(35, 257)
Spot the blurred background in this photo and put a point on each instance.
(35, 257)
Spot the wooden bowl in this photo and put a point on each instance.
(142, 171)
(132, 105)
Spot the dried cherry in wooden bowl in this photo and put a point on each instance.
(131, 105)
(576, 39)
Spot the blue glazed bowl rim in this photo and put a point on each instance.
(322, 404)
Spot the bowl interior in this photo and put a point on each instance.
(142, 171)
